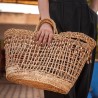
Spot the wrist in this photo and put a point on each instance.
(44, 17)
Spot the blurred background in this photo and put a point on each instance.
(24, 14)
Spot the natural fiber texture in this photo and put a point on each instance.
(55, 67)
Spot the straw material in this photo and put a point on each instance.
(55, 68)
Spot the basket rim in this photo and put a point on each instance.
(78, 35)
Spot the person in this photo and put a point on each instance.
(69, 15)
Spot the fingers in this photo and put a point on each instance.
(41, 37)
(37, 35)
(44, 37)
(50, 38)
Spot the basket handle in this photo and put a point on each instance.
(49, 21)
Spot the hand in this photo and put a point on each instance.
(44, 35)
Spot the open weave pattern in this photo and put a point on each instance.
(64, 59)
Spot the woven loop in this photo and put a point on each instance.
(49, 21)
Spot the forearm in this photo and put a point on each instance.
(94, 5)
(43, 6)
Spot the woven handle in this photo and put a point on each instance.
(49, 21)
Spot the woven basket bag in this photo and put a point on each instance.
(55, 67)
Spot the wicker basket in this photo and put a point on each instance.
(55, 68)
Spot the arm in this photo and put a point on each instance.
(94, 5)
(45, 33)
(43, 6)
